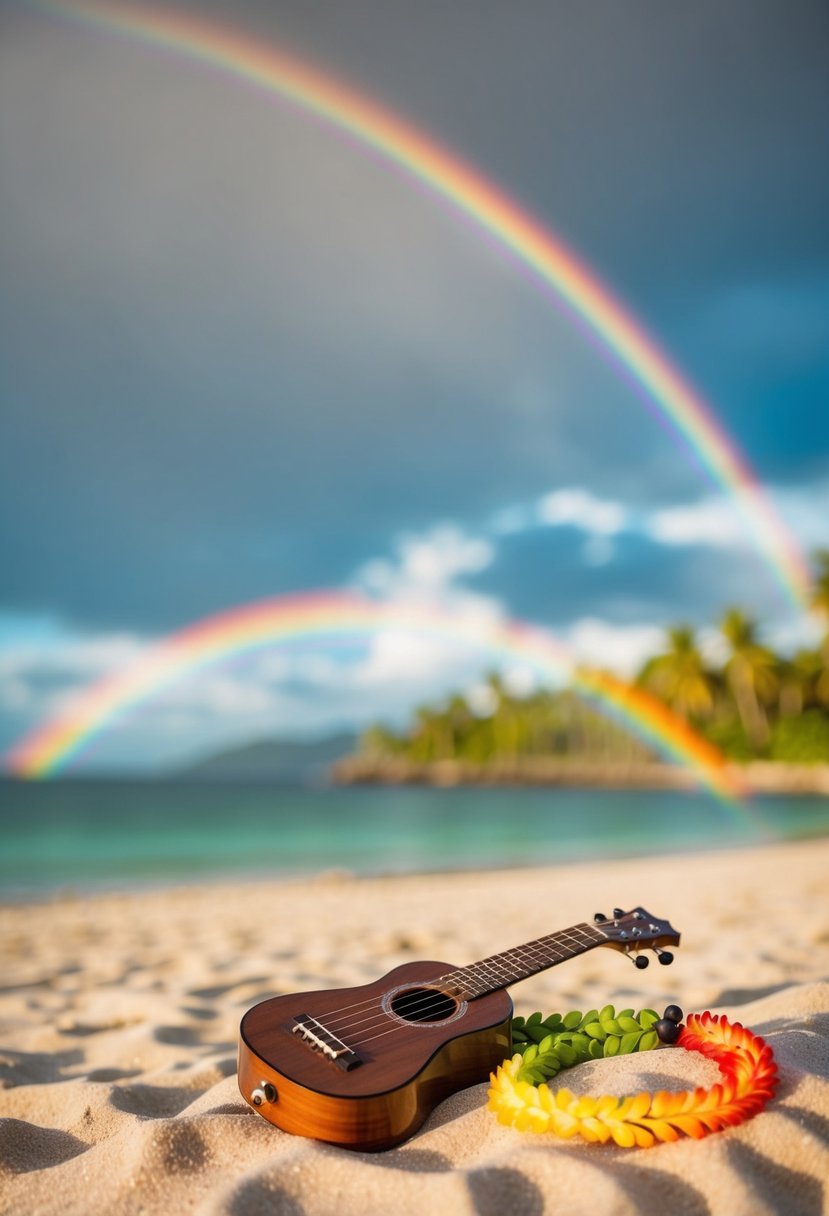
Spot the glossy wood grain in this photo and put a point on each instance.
(406, 1069)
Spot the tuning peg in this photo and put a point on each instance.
(641, 961)
(617, 912)
(665, 957)
(599, 918)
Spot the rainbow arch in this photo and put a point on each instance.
(491, 211)
(331, 616)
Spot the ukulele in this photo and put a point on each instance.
(363, 1067)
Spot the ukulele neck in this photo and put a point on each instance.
(500, 970)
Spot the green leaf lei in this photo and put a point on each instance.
(550, 1044)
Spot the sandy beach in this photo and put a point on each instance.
(119, 1017)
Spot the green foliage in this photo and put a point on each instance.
(802, 740)
(550, 1044)
(545, 724)
(729, 735)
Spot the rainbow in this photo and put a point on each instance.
(494, 213)
(330, 617)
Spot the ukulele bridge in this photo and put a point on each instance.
(315, 1035)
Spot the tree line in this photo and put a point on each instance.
(753, 704)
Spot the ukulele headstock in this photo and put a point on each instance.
(637, 930)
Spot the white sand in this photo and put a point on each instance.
(119, 1017)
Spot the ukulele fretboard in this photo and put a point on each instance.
(500, 970)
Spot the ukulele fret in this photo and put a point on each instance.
(518, 963)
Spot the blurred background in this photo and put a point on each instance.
(243, 355)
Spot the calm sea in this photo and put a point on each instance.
(85, 835)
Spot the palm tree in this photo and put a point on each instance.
(751, 675)
(540, 721)
(378, 740)
(680, 676)
(803, 682)
(503, 719)
(459, 720)
(820, 587)
(430, 740)
(820, 603)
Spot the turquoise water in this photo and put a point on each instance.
(111, 834)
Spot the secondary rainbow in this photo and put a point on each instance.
(329, 617)
(490, 210)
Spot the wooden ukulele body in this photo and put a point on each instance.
(404, 1067)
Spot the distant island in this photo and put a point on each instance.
(757, 777)
(276, 761)
(766, 713)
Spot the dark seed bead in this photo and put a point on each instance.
(673, 1013)
(668, 1031)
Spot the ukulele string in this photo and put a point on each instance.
(432, 1000)
(382, 1034)
(523, 954)
(401, 1025)
(535, 951)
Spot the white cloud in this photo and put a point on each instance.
(580, 509)
(716, 521)
(71, 657)
(427, 565)
(40, 678)
(223, 694)
(482, 700)
(710, 521)
(803, 633)
(520, 680)
(42, 681)
(713, 521)
(402, 667)
(806, 511)
(398, 657)
(622, 648)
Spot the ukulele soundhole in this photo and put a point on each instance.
(419, 1004)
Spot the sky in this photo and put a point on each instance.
(241, 356)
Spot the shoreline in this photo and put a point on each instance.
(757, 776)
(221, 881)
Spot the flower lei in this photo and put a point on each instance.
(520, 1099)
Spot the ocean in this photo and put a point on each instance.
(113, 835)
